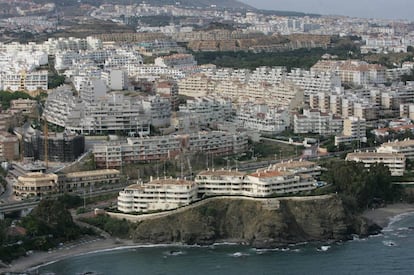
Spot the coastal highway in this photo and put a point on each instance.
(28, 204)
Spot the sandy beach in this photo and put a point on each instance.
(382, 216)
(67, 250)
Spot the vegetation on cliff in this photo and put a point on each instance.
(361, 187)
(49, 224)
(117, 228)
(256, 223)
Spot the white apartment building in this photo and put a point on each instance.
(269, 182)
(394, 161)
(152, 72)
(63, 109)
(354, 130)
(116, 112)
(156, 148)
(168, 89)
(157, 195)
(91, 89)
(158, 109)
(352, 71)
(208, 109)
(115, 79)
(404, 147)
(314, 121)
(263, 183)
(124, 59)
(179, 61)
(262, 118)
(302, 167)
(108, 114)
(35, 184)
(24, 80)
(197, 85)
(223, 183)
(88, 179)
(164, 194)
(67, 58)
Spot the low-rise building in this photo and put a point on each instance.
(283, 178)
(177, 61)
(262, 118)
(405, 147)
(88, 179)
(25, 106)
(160, 194)
(156, 148)
(22, 168)
(36, 184)
(394, 161)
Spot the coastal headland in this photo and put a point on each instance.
(243, 221)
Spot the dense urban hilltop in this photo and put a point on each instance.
(197, 122)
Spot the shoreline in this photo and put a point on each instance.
(81, 247)
(381, 216)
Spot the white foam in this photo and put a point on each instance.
(395, 219)
(389, 243)
(239, 254)
(324, 248)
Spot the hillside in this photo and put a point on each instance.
(187, 3)
(255, 223)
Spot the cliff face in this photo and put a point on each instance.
(266, 223)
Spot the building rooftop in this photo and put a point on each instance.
(37, 175)
(293, 164)
(268, 174)
(92, 173)
(402, 143)
(221, 172)
(373, 155)
(168, 181)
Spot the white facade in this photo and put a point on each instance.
(24, 80)
(166, 194)
(354, 130)
(177, 61)
(156, 195)
(394, 162)
(314, 121)
(262, 118)
(208, 109)
(405, 147)
(155, 148)
(116, 79)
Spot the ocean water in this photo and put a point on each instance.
(391, 252)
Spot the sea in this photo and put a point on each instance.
(391, 252)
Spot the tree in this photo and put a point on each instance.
(359, 185)
(51, 217)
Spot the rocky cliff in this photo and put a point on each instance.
(260, 223)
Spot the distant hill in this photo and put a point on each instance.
(288, 13)
(187, 3)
